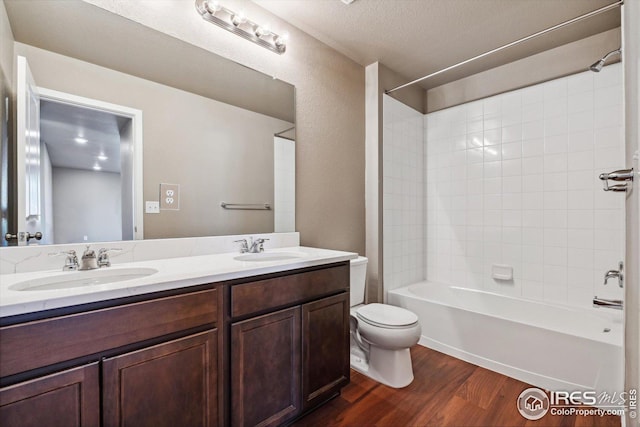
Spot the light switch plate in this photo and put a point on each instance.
(170, 197)
(152, 207)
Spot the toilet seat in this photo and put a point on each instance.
(386, 316)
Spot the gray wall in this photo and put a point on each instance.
(99, 193)
(330, 157)
(551, 64)
(216, 152)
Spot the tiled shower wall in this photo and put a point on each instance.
(512, 179)
(403, 194)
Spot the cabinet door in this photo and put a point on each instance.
(170, 384)
(265, 369)
(325, 348)
(66, 399)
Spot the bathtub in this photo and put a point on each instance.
(553, 347)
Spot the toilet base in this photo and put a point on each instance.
(389, 367)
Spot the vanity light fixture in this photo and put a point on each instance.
(237, 23)
(80, 140)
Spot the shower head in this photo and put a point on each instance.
(597, 66)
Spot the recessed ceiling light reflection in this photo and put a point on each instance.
(102, 157)
(80, 140)
(97, 167)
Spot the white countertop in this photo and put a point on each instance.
(172, 273)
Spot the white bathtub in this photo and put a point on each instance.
(550, 346)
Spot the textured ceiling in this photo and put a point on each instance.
(417, 37)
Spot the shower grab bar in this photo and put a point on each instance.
(246, 206)
(508, 45)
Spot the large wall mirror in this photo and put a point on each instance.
(137, 134)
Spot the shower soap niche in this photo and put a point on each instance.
(502, 272)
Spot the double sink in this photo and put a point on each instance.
(79, 279)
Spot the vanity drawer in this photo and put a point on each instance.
(44, 342)
(268, 294)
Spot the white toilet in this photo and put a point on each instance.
(381, 334)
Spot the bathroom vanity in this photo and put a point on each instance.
(260, 344)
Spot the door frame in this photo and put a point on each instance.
(137, 125)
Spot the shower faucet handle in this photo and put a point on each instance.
(621, 175)
(615, 273)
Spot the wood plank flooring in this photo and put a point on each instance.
(445, 392)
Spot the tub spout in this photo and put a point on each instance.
(608, 303)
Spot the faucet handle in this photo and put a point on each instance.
(71, 262)
(103, 256)
(244, 246)
(260, 243)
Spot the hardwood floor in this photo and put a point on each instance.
(445, 392)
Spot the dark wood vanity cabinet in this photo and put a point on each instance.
(250, 352)
(292, 359)
(158, 360)
(70, 398)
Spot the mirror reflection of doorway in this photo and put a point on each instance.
(83, 164)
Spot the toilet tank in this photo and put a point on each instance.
(358, 279)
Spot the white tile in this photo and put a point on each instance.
(608, 219)
(511, 218)
(611, 75)
(608, 96)
(492, 169)
(475, 155)
(557, 237)
(581, 141)
(532, 165)
(580, 82)
(609, 137)
(556, 181)
(555, 255)
(609, 158)
(532, 271)
(492, 186)
(492, 154)
(580, 199)
(475, 171)
(580, 258)
(492, 106)
(532, 218)
(511, 150)
(532, 183)
(555, 107)
(554, 89)
(532, 94)
(512, 133)
(608, 116)
(555, 162)
(555, 218)
(609, 240)
(555, 200)
(512, 184)
(532, 236)
(556, 144)
(512, 167)
(533, 200)
(532, 112)
(492, 218)
(533, 290)
(556, 125)
(580, 238)
(474, 109)
(581, 180)
(582, 101)
(491, 122)
(580, 218)
(533, 254)
(492, 136)
(581, 121)
(533, 130)
(533, 147)
(580, 160)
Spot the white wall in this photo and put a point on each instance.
(284, 188)
(403, 194)
(99, 193)
(512, 179)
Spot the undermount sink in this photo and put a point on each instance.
(79, 279)
(269, 256)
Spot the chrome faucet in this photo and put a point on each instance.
(71, 260)
(89, 261)
(615, 273)
(607, 303)
(255, 247)
(103, 256)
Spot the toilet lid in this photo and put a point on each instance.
(386, 315)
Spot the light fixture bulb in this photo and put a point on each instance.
(212, 6)
(239, 19)
(282, 40)
(263, 31)
(80, 140)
